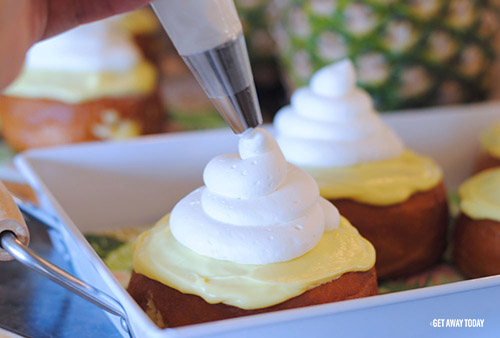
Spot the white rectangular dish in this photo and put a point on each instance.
(109, 185)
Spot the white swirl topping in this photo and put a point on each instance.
(332, 123)
(255, 208)
(94, 47)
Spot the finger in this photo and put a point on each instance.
(66, 14)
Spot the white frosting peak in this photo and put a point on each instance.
(258, 170)
(334, 80)
(255, 208)
(94, 47)
(332, 123)
(256, 143)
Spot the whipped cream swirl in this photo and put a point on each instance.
(255, 208)
(94, 47)
(332, 123)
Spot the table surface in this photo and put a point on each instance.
(33, 306)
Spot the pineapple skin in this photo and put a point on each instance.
(408, 54)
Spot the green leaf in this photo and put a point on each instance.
(103, 245)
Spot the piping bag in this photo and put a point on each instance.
(208, 35)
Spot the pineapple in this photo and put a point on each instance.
(410, 53)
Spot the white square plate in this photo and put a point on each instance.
(108, 185)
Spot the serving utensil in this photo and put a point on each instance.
(14, 240)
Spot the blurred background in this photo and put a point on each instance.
(408, 54)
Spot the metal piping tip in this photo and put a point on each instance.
(241, 111)
(225, 75)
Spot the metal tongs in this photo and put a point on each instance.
(13, 245)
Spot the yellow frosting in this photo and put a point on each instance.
(77, 87)
(141, 21)
(379, 183)
(480, 195)
(160, 257)
(490, 140)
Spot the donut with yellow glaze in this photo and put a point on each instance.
(477, 231)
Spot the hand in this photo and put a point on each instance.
(24, 22)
